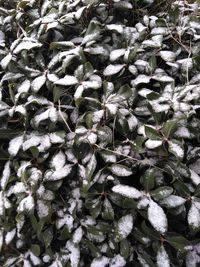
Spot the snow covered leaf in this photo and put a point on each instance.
(9, 236)
(172, 201)
(38, 82)
(26, 45)
(5, 61)
(15, 145)
(27, 204)
(157, 217)
(127, 191)
(124, 226)
(67, 81)
(117, 261)
(5, 175)
(120, 170)
(112, 69)
(162, 258)
(194, 177)
(152, 144)
(100, 262)
(176, 149)
(194, 217)
(168, 55)
(58, 160)
(108, 212)
(58, 174)
(115, 54)
(74, 253)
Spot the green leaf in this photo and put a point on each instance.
(107, 212)
(161, 192)
(152, 133)
(177, 241)
(125, 248)
(170, 128)
(35, 249)
(151, 233)
(148, 180)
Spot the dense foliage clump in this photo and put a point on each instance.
(99, 133)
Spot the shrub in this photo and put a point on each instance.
(100, 123)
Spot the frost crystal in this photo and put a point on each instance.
(157, 217)
(127, 191)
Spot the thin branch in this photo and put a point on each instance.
(60, 112)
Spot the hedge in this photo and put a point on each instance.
(99, 133)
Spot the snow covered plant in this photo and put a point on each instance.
(99, 133)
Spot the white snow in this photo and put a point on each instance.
(77, 236)
(38, 82)
(172, 201)
(18, 188)
(115, 27)
(127, 191)
(117, 261)
(162, 258)
(15, 145)
(5, 175)
(115, 54)
(152, 144)
(112, 108)
(157, 217)
(9, 236)
(53, 114)
(41, 117)
(42, 209)
(74, 253)
(168, 56)
(143, 203)
(194, 216)
(32, 140)
(141, 78)
(67, 81)
(195, 177)
(58, 174)
(176, 149)
(183, 132)
(56, 138)
(58, 160)
(100, 262)
(120, 170)
(35, 260)
(44, 143)
(6, 60)
(79, 92)
(112, 69)
(92, 138)
(125, 226)
(26, 45)
(27, 204)
(66, 220)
